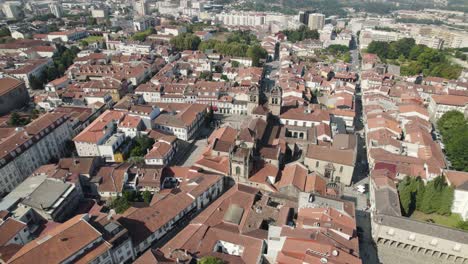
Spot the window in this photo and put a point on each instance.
(317, 164)
(341, 169)
(238, 170)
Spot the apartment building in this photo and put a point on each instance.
(29, 147)
(441, 104)
(316, 21)
(369, 35)
(242, 18)
(65, 36)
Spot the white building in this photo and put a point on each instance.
(459, 181)
(100, 138)
(12, 10)
(56, 9)
(65, 36)
(141, 7)
(441, 104)
(129, 47)
(369, 35)
(99, 13)
(431, 42)
(316, 21)
(242, 18)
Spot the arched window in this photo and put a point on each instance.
(238, 170)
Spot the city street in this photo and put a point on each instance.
(189, 151)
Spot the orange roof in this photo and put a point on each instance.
(58, 244)
(456, 178)
(408, 108)
(130, 121)
(297, 175)
(8, 84)
(326, 153)
(96, 130)
(159, 151)
(454, 100)
(9, 229)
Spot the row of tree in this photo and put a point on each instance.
(141, 36)
(121, 203)
(434, 197)
(238, 44)
(454, 130)
(300, 34)
(187, 41)
(460, 55)
(339, 51)
(415, 59)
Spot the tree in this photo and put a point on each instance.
(438, 197)
(454, 130)
(462, 225)
(136, 152)
(16, 120)
(337, 49)
(84, 43)
(449, 121)
(147, 196)
(142, 144)
(277, 51)
(242, 36)
(36, 83)
(52, 73)
(235, 64)
(256, 53)
(301, 34)
(446, 200)
(380, 48)
(52, 28)
(210, 260)
(420, 189)
(131, 196)
(186, 41)
(5, 32)
(206, 75)
(405, 195)
(35, 114)
(92, 21)
(119, 204)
